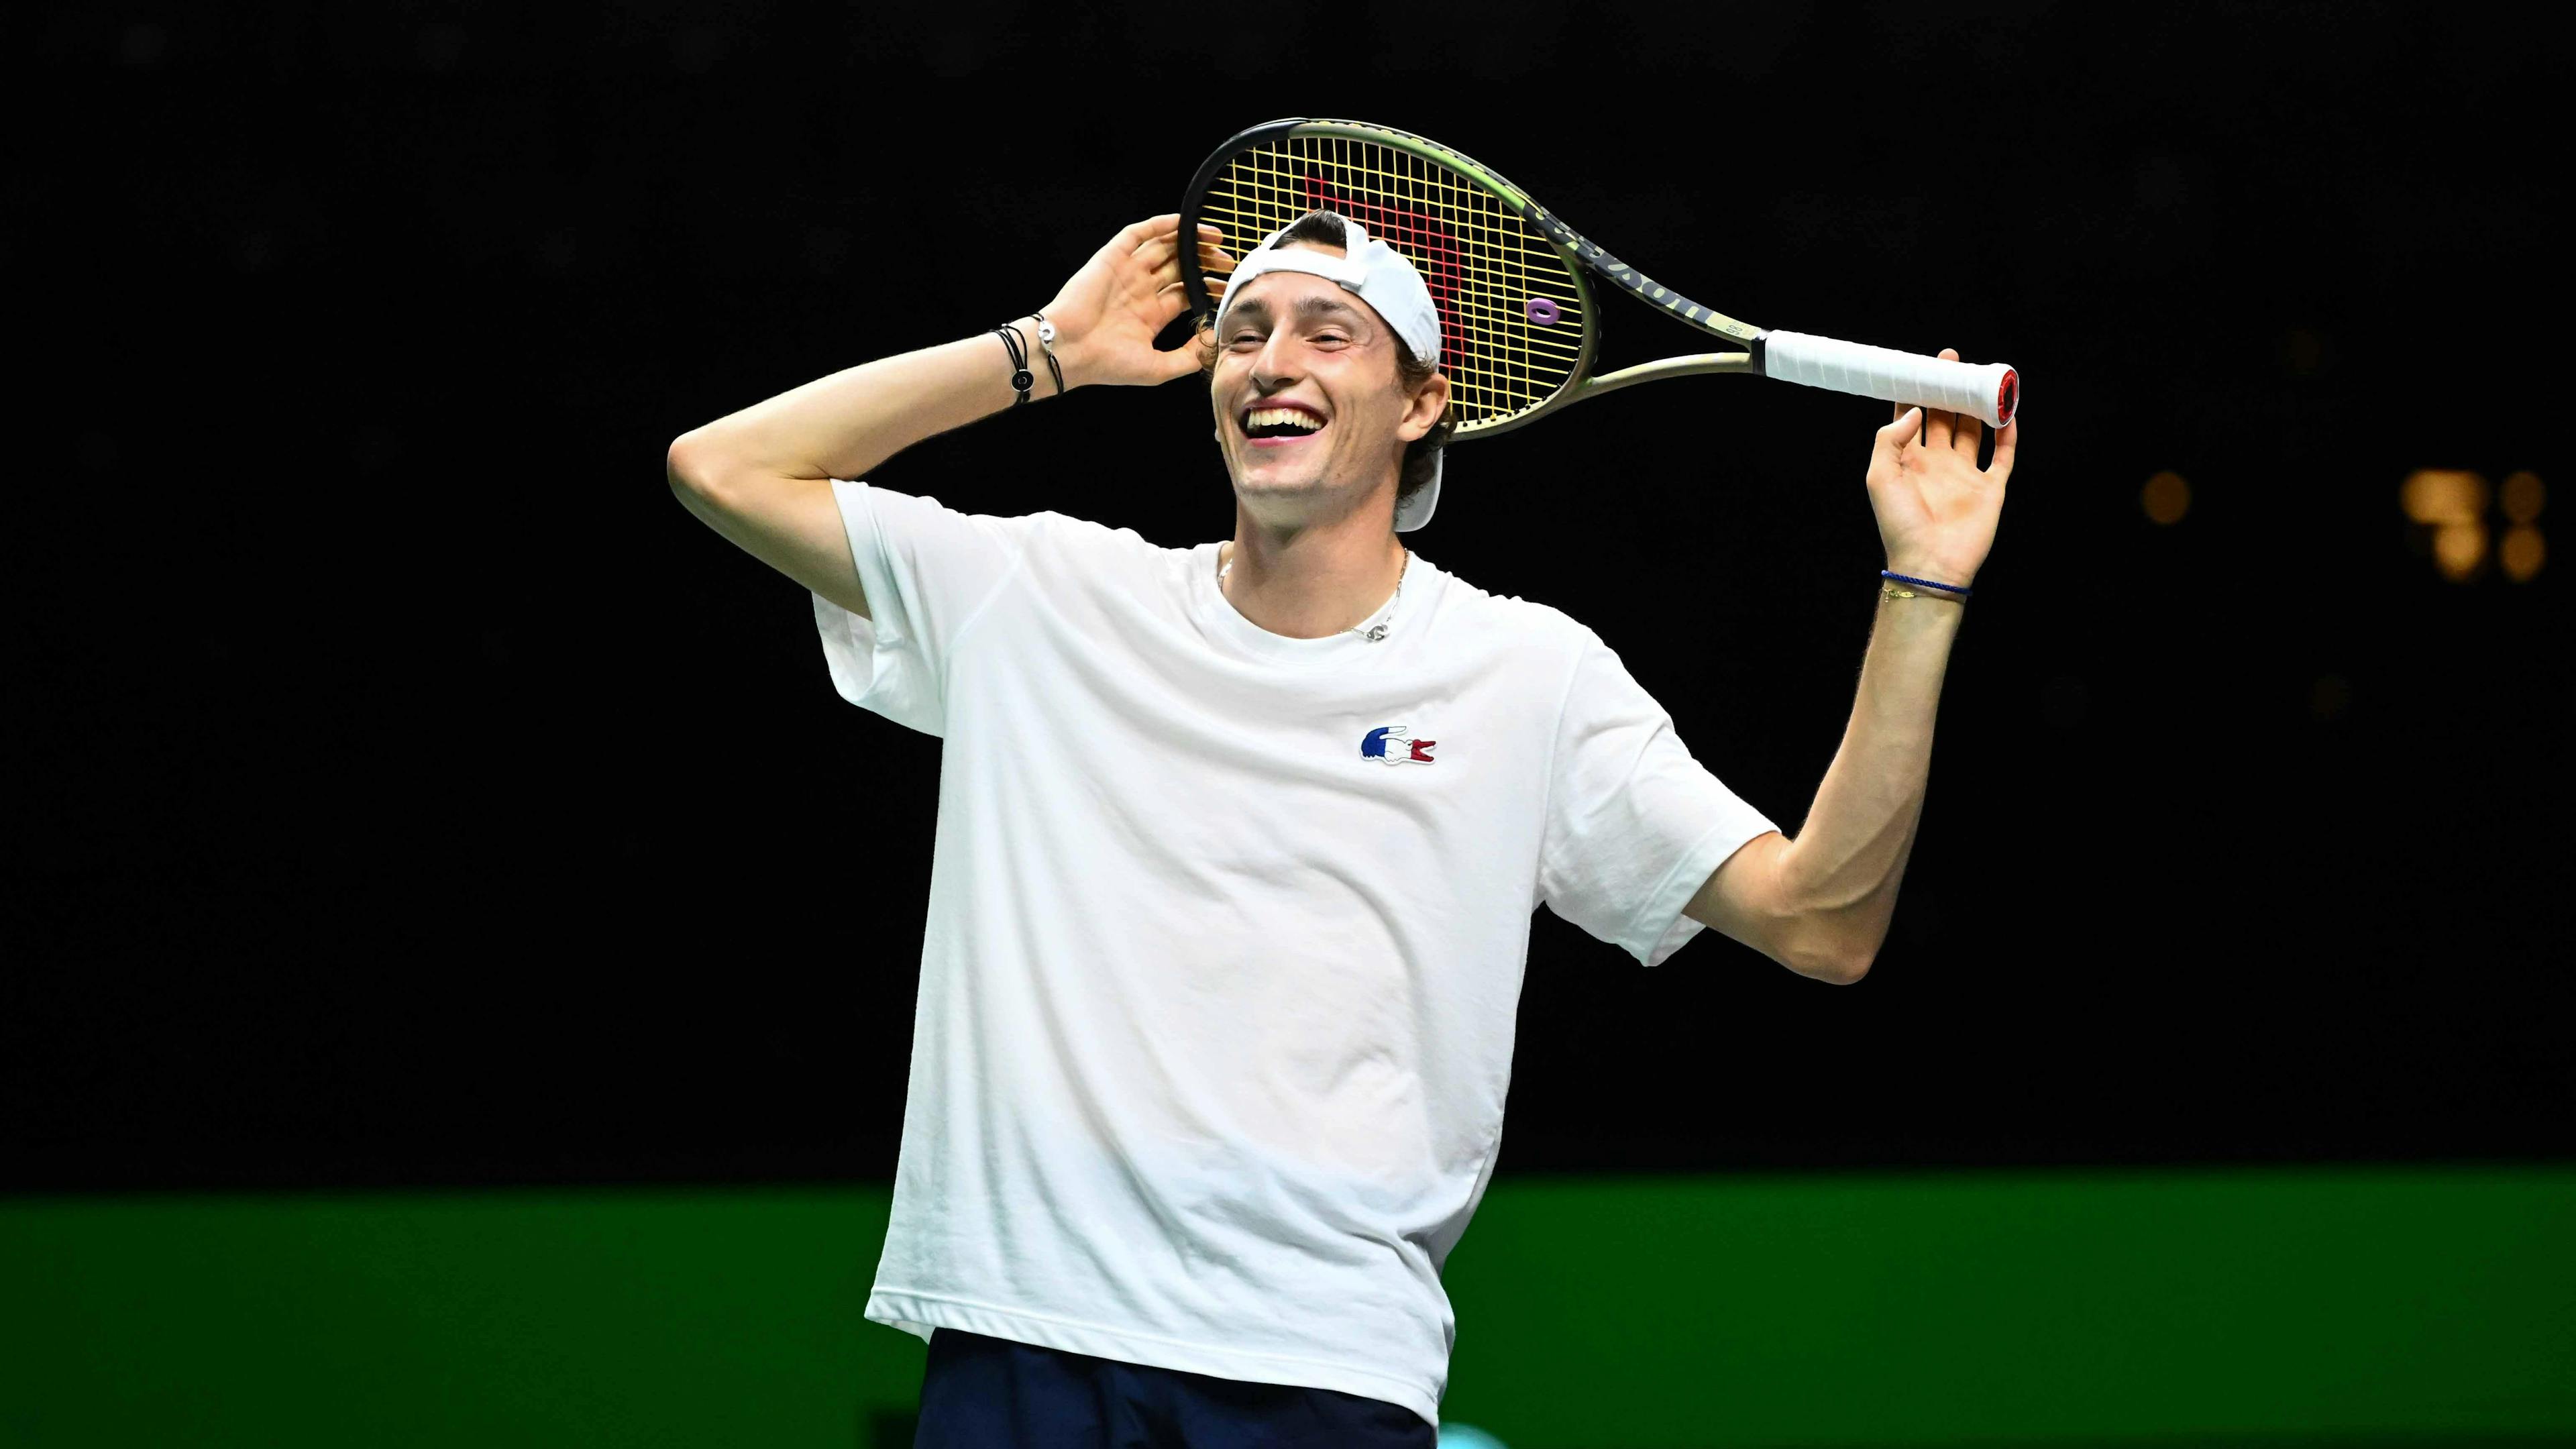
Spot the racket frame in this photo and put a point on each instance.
(1582, 256)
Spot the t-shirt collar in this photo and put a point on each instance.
(1218, 616)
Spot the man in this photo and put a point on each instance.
(1238, 844)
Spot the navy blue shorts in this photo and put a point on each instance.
(993, 1393)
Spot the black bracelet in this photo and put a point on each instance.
(1012, 343)
(1046, 344)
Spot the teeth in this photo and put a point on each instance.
(1273, 417)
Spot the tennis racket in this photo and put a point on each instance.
(1513, 284)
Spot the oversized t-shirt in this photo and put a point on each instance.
(1226, 934)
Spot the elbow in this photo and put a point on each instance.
(1859, 951)
(1831, 957)
(1854, 951)
(692, 466)
(1834, 968)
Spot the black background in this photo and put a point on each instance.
(405, 789)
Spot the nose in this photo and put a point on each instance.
(1274, 366)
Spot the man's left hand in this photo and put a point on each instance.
(1937, 510)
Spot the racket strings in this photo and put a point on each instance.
(1485, 267)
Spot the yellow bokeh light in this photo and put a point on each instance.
(2458, 548)
(2444, 495)
(2522, 552)
(2523, 497)
(2167, 497)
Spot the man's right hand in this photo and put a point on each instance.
(1107, 317)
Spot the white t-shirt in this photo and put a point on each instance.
(1226, 933)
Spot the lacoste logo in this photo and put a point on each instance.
(1389, 744)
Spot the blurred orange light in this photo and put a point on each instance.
(2522, 552)
(2167, 497)
(2330, 696)
(2444, 495)
(2524, 497)
(2458, 548)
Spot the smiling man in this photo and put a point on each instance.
(1310, 384)
(1238, 845)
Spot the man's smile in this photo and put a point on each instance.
(1279, 424)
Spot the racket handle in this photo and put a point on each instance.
(1990, 392)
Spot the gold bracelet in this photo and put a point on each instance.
(1887, 591)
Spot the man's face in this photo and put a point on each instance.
(1303, 346)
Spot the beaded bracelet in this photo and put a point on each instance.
(1926, 583)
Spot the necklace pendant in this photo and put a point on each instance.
(1376, 633)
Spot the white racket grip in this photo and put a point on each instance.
(1990, 391)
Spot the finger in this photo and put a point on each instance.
(1941, 431)
(1136, 234)
(2007, 442)
(1203, 326)
(1158, 252)
(1190, 356)
(1181, 361)
(1970, 435)
(1167, 235)
(1170, 288)
(1892, 439)
(1150, 226)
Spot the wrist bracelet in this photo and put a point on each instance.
(1046, 344)
(1017, 346)
(1920, 583)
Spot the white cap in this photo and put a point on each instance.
(1380, 276)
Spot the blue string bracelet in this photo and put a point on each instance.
(1926, 583)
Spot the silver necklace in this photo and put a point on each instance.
(1371, 632)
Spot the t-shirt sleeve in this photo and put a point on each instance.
(928, 571)
(1635, 824)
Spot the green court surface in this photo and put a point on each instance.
(2282, 1306)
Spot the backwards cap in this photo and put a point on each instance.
(1380, 277)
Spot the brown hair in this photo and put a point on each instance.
(1420, 455)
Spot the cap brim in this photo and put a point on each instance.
(1415, 511)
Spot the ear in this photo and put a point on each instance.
(1425, 410)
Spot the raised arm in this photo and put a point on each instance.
(1820, 903)
(762, 476)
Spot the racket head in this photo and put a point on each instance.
(1516, 315)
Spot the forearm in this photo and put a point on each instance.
(1843, 868)
(844, 425)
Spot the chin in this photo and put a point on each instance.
(1281, 487)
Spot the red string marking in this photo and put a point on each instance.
(1445, 261)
